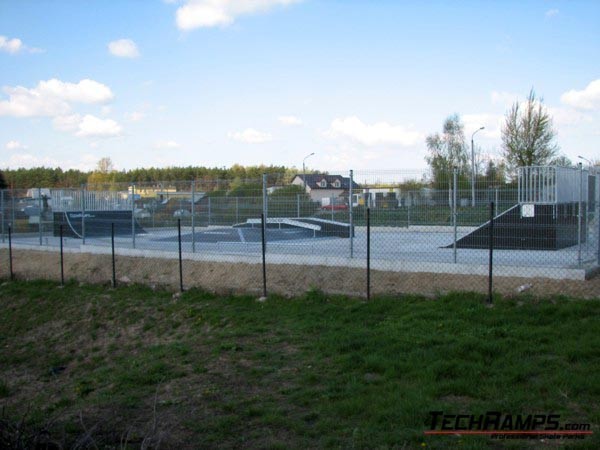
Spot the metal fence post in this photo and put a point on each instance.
(331, 204)
(265, 197)
(579, 216)
(133, 215)
(180, 259)
(193, 210)
(368, 253)
(12, 208)
(62, 258)
(454, 212)
(112, 251)
(237, 210)
(351, 215)
(2, 212)
(491, 254)
(82, 214)
(297, 205)
(264, 251)
(10, 259)
(209, 205)
(40, 214)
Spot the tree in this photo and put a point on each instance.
(528, 135)
(3, 184)
(105, 165)
(104, 173)
(446, 152)
(562, 160)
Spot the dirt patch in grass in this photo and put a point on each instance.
(287, 280)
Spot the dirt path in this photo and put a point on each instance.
(288, 280)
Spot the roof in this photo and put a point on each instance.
(312, 181)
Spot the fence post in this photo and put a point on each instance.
(40, 214)
(2, 211)
(209, 211)
(237, 210)
(12, 207)
(265, 197)
(264, 251)
(10, 259)
(180, 260)
(368, 253)
(298, 205)
(112, 251)
(193, 211)
(82, 214)
(491, 256)
(579, 215)
(133, 215)
(62, 258)
(408, 212)
(454, 213)
(351, 214)
(497, 197)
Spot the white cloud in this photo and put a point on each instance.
(567, 116)
(505, 99)
(211, 13)
(15, 145)
(135, 116)
(251, 136)
(52, 97)
(491, 122)
(167, 145)
(289, 121)
(588, 98)
(551, 13)
(13, 45)
(91, 126)
(67, 123)
(123, 48)
(28, 161)
(377, 134)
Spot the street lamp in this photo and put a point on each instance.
(473, 167)
(304, 169)
(586, 160)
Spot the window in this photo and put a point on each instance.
(337, 184)
(323, 183)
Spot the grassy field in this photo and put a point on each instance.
(133, 367)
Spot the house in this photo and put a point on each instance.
(320, 186)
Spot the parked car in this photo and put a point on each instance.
(335, 207)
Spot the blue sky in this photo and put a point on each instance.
(219, 82)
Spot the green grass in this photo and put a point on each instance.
(314, 371)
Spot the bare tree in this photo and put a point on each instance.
(528, 134)
(447, 150)
(105, 165)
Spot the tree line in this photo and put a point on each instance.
(105, 174)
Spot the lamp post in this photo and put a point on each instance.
(473, 167)
(586, 160)
(304, 169)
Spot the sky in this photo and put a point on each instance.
(220, 82)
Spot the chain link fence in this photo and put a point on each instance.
(355, 233)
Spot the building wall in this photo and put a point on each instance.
(318, 194)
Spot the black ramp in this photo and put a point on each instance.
(552, 227)
(97, 223)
